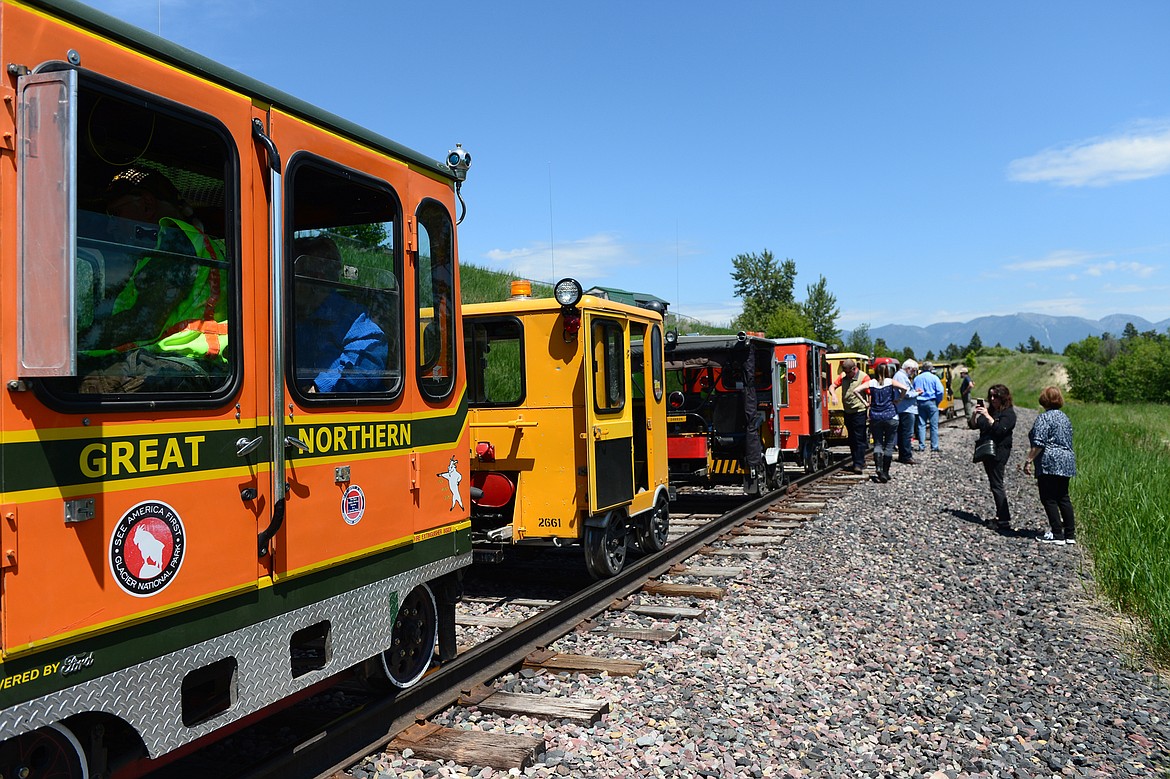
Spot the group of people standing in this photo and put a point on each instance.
(896, 402)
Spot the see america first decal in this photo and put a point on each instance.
(147, 548)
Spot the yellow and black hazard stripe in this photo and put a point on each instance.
(726, 467)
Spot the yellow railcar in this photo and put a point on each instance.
(838, 436)
(568, 432)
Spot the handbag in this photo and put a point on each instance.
(984, 451)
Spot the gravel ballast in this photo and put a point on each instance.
(893, 636)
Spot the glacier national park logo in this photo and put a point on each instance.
(147, 547)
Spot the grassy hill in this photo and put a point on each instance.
(480, 285)
(1024, 374)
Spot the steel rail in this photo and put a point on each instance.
(371, 729)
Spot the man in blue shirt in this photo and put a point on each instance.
(930, 392)
(338, 347)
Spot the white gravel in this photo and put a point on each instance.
(894, 636)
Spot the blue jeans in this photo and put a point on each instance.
(885, 434)
(928, 416)
(907, 421)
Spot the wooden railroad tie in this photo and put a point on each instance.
(501, 751)
(669, 612)
(585, 711)
(774, 523)
(555, 662)
(706, 571)
(671, 590)
(529, 602)
(766, 532)
(757, 540)
(746, 554)
(486, 621)
(658, 635)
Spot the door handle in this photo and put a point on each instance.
(298, 443)
(244, 446)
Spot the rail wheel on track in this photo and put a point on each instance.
(652, 536)
(412, 643)
(777, 477)
(51, 752)
(605, 547)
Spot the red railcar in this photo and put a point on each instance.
(800, 403)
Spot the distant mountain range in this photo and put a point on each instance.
(1055, 332)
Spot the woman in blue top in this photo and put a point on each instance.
(1051, 449)
(884, 394)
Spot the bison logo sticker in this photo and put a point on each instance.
(147, 548)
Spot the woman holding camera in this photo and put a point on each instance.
(1052, 451)
(996, 420)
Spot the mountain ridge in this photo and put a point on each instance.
(1055, 332)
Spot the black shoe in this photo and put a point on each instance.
(1004, 530)
(908, 461)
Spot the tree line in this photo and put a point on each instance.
(1134, 367)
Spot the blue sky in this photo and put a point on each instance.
(934, 161)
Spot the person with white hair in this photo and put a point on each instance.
(930, 392)
(907, 412)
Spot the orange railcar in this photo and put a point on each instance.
(189, 535)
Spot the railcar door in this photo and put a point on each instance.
(343, 406)
(608, 412)
(814, 360)
(122, 472)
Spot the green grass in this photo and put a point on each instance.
(1123, 465)
(1024, 374)
(480, 285)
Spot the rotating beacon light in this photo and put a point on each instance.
(568, 293)
(458, 161)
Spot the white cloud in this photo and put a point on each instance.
(1061, 258)
(589, 259)
(1141, 152)
(1133, 268)
(1064, 306)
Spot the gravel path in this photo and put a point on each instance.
(895, 636)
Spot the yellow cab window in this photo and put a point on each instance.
(609, 366)
(495, 361)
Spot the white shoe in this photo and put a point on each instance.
(1051, 539)
(1070, 542)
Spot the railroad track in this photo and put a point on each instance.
(346, 722)
(347, 740)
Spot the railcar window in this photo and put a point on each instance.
(345, 306)
(157, 248)
(609, 365)
(435, 282)
(495, 362)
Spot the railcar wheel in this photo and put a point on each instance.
(652, 537)
(412, 643)
(605, 547)
(777, 477)
(51, 752)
